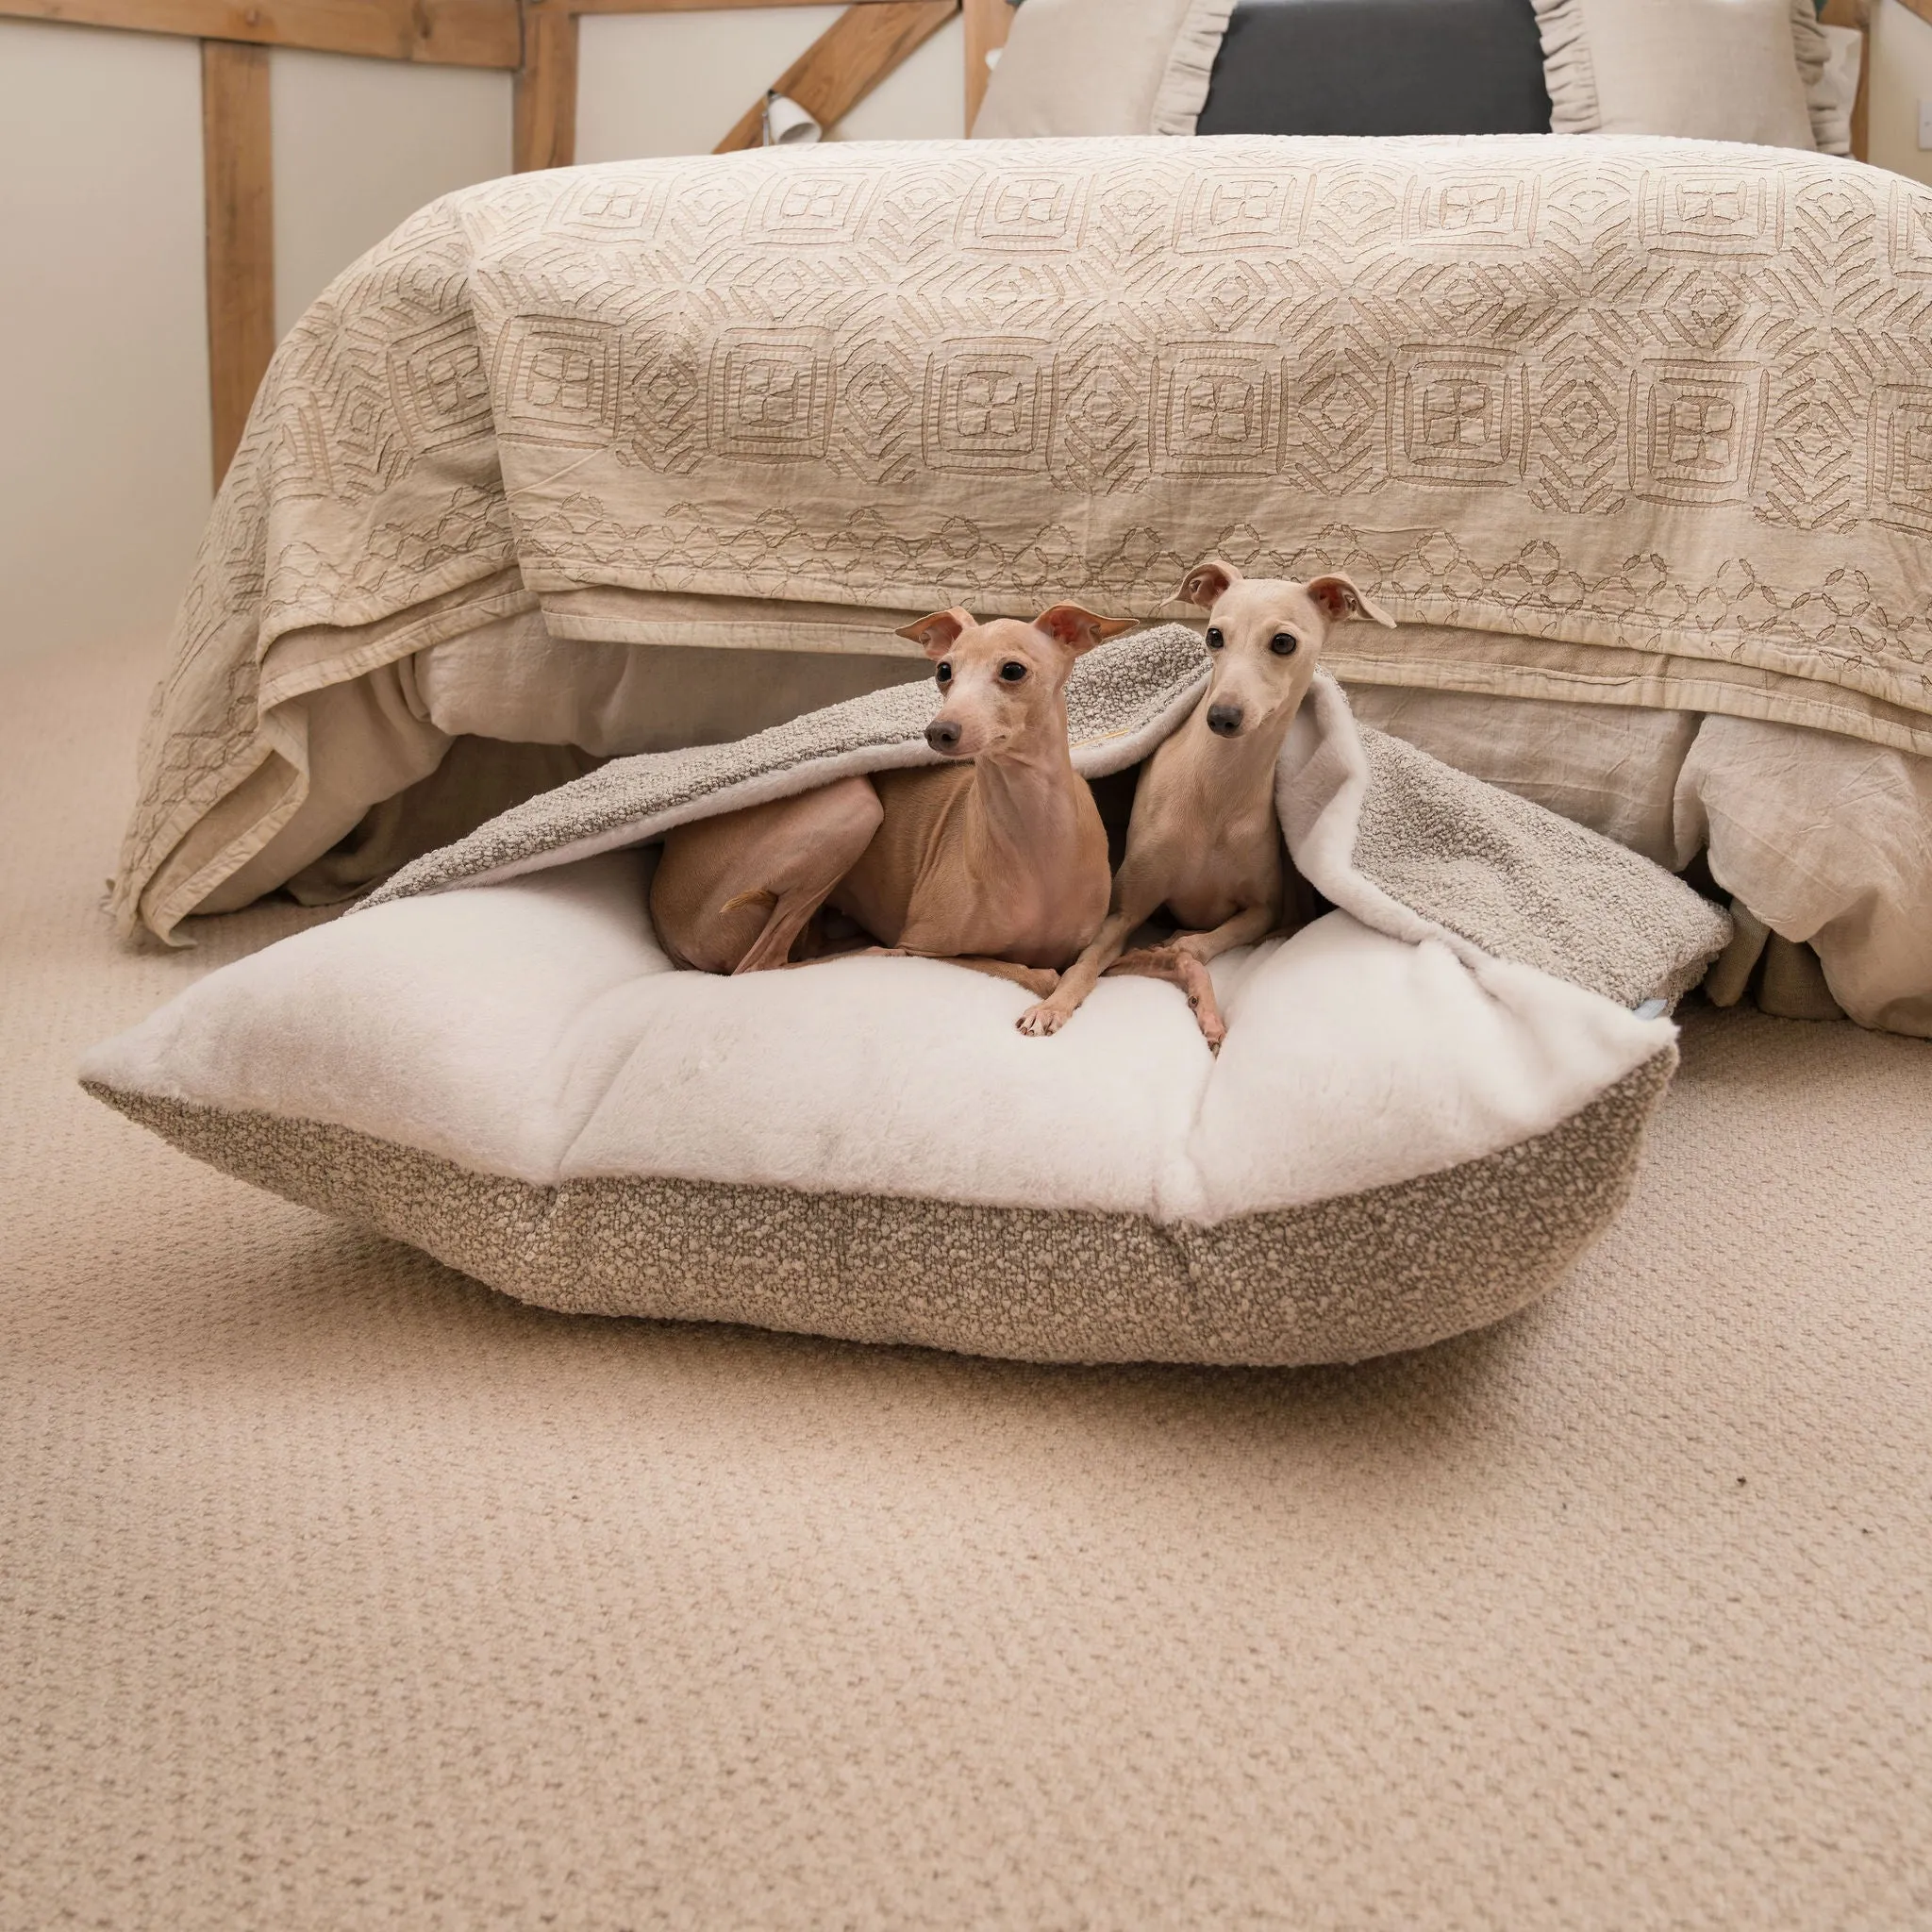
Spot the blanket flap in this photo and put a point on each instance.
(1405, 843)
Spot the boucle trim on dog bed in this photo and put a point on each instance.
(1391, 1268)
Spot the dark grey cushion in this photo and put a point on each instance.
(1379, 67)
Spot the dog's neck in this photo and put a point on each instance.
(1029, 788)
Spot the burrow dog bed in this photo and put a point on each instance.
(1429, 1100)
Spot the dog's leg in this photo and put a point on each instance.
(788, 913)
(1138, 888)
(733, 893)
(1038, 980)
(1183, 963)
(1079, 979)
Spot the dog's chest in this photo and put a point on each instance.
(1232, 858)
(1214, 896)
(1034, 894)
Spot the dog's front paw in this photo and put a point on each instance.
(1038, 1021)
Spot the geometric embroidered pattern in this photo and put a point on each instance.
(1672, 396)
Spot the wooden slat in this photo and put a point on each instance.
(847, 61)
(988, 23)
(544, 131)
(238, 186)
(454, 33)
(696, 5)
(1857, 14)
(1922, 8)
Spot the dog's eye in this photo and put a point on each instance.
(1215, 639)
(1012, 671)
(944, 674)
(1283, 642)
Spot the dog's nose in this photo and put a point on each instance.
(943, 735)
(1223, 720)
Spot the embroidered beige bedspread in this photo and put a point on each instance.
(1648, 422)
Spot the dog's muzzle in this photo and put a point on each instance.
(943, 736)
(1225, 721)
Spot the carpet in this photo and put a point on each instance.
(337, 1592)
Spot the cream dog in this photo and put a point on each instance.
(1203, 840)
(996, 860)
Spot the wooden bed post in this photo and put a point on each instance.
(545, 132)
(988, 23)
(238, 188)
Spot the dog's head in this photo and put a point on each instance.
(999, 680)
(1266, 636)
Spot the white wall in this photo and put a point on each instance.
(104, 412)
(675, 83)
(925, 99)
(360, 145)
(1901, 79)
(103, 424)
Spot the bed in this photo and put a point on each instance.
(616, 459)
(1826, 836)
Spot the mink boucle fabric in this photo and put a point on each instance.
(339, 1592)
(1338, 1279)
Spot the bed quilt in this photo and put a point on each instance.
(1663, 401)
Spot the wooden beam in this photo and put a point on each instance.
(545, 125)
(847, 61)
(1857, 15)
(1922, 8)
(454, 33)
(238, 187)
(988, 23)
(696, 5)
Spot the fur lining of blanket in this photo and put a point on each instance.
(1405, 843)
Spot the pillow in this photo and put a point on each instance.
(1711, 70)
(1378, 67)
(1406, 1133)
(1838, 90)
(1103, 67)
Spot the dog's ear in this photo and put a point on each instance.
(936, 635)
(1337, 597)
(1206, 583)
(1080, 630)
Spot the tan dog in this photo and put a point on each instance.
(1203, 840)
(997, 860)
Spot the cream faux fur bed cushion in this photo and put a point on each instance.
(1710, 70)
(1388, 1149)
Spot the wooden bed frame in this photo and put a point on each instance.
(537, 41)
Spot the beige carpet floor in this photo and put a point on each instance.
(337, 1592)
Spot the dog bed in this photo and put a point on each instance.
(1430, 1098)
